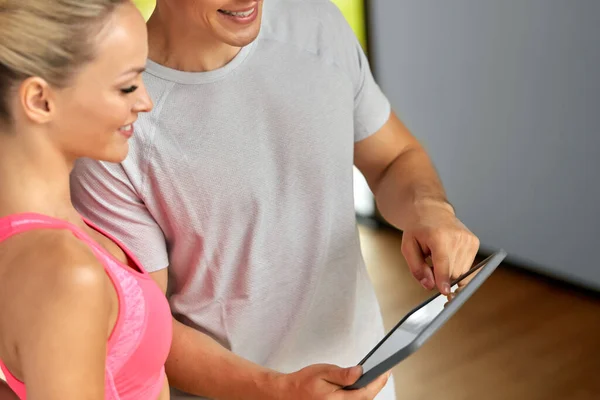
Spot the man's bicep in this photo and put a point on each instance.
(103, 193)
(373, 155)
(161, 277)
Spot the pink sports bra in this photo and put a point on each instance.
(139, 344)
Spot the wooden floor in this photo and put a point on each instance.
(520, 337)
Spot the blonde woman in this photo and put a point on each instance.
(81, 319)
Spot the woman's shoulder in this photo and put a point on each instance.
(48, 276)
(53, 255)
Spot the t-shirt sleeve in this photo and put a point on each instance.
(371, 106)
(103, 193)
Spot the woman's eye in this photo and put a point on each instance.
(130, 89)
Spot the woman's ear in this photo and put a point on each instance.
(36, 100)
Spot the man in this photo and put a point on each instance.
(240, 182)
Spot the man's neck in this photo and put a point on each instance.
(175, 44)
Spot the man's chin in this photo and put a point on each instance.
(242, 41)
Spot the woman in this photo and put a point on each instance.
(80, 317)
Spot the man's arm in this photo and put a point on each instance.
(410, 195)
(399, 172)
(199, 365)
(407, 188)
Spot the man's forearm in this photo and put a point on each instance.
(197, 364)
(408, 185)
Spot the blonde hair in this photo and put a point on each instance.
(49, 39)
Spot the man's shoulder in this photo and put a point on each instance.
(313, 8)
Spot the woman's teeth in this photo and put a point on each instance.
(242, 14)
(125, 128)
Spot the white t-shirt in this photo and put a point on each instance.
(241, 181)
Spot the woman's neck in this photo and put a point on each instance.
(178, 44)
(34, 177)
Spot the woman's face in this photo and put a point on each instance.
(93, 117)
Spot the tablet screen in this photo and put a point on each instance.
(404, 334)
(416, 322)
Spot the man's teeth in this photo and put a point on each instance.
(125, 128)
(242, 14)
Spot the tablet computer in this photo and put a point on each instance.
(421, 323)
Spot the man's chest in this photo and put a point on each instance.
(277, 142)
(265, 137)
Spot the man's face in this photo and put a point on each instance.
(234, 22)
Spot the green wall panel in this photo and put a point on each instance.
(354, 11)
(145, 6)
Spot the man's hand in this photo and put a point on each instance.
(325, 382)
(434, 231)
(411, 197)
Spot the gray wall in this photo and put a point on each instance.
(505, 94)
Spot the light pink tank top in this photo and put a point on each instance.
(139, 344)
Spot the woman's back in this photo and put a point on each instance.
(57, 283)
